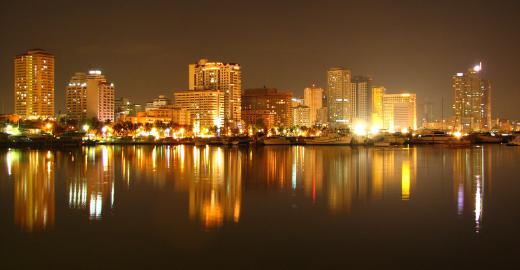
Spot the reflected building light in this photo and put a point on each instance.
(78, 194)
(460, 199)
(104, 153)
(9, 160)
(112, 196)
(478, 204)
(96, 206)
(405, 181)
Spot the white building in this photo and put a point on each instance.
(399, 112)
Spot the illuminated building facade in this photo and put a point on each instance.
(205, 107)
(399, 112)
(90, 95)
(302, 116)
(262, 99)
(472, 107)
(360, 98)
(313, 98)
(377, 105)
(166, 114)
(34, 84)
(338, 96)
(225, 77)
(124, 107)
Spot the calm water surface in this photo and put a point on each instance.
(185, 207)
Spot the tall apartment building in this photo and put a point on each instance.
(301, 116)
(361, 87)
(262, 99)
(472, 107)
(34, 84)
(90, 95)
(399, 112)
(313, 98)
(338, 96)
(205, 107)
(377, 105)
(225, 77)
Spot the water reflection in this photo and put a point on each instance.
(471, 176)
(214, 178)
(34, 199)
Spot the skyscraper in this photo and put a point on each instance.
(313, 98)
(205, 107)
(377, 105)
(338, 96)
(399, 112)
(90, 95)
(34, 84)
(472, 105)
(225, 77)
(360, 98)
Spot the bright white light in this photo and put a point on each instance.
(360, 129)
(404, 131)
(94, 72)
(457, 134)
(460, 74)
(86, 127)
(478, 67)
(374, 129)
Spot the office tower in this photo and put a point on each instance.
(125, 107)
(360, 98)
(205, 107)
(472, 106)
(90, 96)
(258, 101)
(301, 116)
(225, 77)
(338, 96)
(377, 105)
(399, 112)
(34, 84)
(313, 98)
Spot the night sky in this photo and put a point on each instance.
(145, 47)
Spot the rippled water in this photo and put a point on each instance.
(182, 207)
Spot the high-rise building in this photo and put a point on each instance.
(34, 84)
(338, 96)
(313, 98)
(124, 107)
(225, 77)
(301, 116)
(262, 99)
(361, 98)
(377, 105)
(158, 102)
(472, 105)
(90, 96)
(399, 112)
(206, 107)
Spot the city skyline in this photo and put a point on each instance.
(144, 63)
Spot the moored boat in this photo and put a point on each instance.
(515, 141)
(329, 139)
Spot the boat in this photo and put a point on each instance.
(382, 144)
(329, 139)
(433, 137)
(485, 138)
(390, 139)
(275, 140)
(515, 141)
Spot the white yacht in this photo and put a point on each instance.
(329, 139)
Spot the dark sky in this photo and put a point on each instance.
(145, 47)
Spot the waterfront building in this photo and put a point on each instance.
(472, 95)
(158, 102)
(268, 99)
(377, 105)
(166, 114)
(90, 95)
(205, 107)
(302, 116)
(34, 84)
(225, 77)
(338, 96)
(361, 87)
(313, 98)
(399, 112)
(124, 107)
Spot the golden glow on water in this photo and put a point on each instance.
(213, 178)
